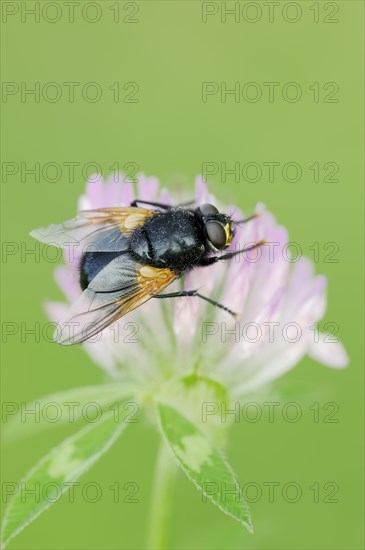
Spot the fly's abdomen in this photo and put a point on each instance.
(92, 263)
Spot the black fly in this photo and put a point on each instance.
(131, 254)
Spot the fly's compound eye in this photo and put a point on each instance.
(208, 210)
(217, 235)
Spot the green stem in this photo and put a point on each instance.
(161, 500)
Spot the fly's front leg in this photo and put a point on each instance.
(229, 255)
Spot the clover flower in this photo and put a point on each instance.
(173, 356)
(278, 301)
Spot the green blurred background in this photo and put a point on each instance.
(169, 51)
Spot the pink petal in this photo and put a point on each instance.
(147, 187)
(56, 311)
(273, 364)
(66, 280)
(100, 354)
(127, 193)
(95, 191)
(112, 192)
(331, 354)
(186, 317)
(84, 203)
(164, 196)
(202, 194)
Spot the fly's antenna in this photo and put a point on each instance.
(240, 222)
(233, 214)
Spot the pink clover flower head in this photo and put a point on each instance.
(279, 303)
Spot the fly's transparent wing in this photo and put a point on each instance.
(106, 229)
(123, 285)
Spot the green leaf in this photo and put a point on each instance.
(204, 465)
(191, 395)
(60, 408)
(63, 465)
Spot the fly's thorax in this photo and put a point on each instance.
(173, 239)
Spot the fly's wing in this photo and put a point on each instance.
(108, 229)
(123, 285)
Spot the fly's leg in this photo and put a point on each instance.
(185, 293)
(213, 259)
(162, 205)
